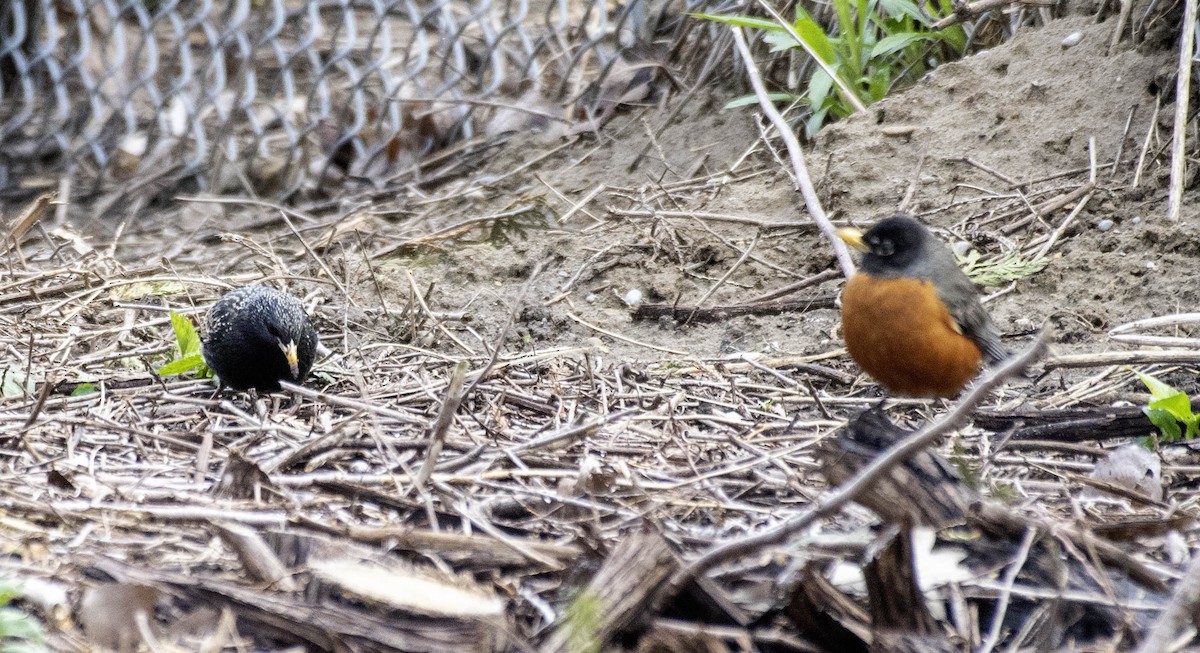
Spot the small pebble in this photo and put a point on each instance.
(632, 297)
(960, 248)
(1072, 40)
(591, 298)
(1105, 224)
(1150, 265)
(1137, 219)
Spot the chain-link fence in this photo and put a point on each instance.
(276, 97)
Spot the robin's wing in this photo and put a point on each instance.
(962, 298)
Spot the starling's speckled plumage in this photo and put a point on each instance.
(256, 336)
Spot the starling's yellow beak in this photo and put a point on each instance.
(292, 356)
(854, 238)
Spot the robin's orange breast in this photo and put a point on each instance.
(902, 334)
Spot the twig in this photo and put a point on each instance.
(815, 279)
(963, 11)
(803, 181)
(1104, 359)
(1062, 228)
(1010, 578)
(1141, 162)
(913, 184)
(728, 273)
(613, 334)
(715, 217)
(437, 435)
(1182, 94)
(513, 312)
(1122, 20)
(1182, 604)
(720, 313)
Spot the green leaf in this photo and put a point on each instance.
(1158, 389)
(83, 389)
(815, 38)
(896, 42)
(747, 100)
(185, 335)
(820, 85)
(905, 8)
(9, 590)
(1165, 421)
(780, 41)
(1178, 405)
(181, 365)
(814, 122)
(742, 21)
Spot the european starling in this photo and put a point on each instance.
(257, 337)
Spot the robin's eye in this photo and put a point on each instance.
(274, 331)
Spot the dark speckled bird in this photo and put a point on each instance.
(256, 336)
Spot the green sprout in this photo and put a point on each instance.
(582, 620)
(1168, 408)
(875, 45)
(1000, 270)
(19, 631)
(188, 342)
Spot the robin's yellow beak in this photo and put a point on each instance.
(292, 356)
(854, 238)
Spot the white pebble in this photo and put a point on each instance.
(1105, 224)
(1072, 40)
(632, 297)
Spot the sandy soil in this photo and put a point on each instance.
(1026, 110)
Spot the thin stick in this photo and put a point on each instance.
(1010, 578)
(834, 500)
(796, 154)
(454, 397)
(815, 279)
(1141, 162)
(613, 334)
(725, 277)
(1182, 604)
(1062, 227)
(1182, 90)
(1124, 137)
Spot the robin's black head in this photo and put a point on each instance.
(895, 246)
(258, 336)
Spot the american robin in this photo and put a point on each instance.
(911, 318)
(257, 336)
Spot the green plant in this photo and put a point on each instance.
(967, 466)
(874, 45)
(189, 357)
(1000, 270)
(1168, 408)
(19, 631)
(582, 620)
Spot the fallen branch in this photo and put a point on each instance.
(721, 313)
